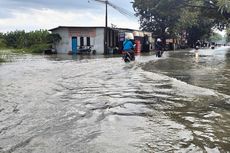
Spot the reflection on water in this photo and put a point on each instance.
(207, 117)
(197, 56)
(209, 69)
(96, 104)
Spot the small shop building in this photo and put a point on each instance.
(101, 40)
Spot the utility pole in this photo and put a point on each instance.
(119, 9)
(106, 27)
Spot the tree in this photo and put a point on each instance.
(21, 39)
(2, 41)
(156, 16)
(34, 41)
(215, 37)
(170, 17)
(228, 34)
(53, 38)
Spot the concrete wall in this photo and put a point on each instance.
(99, 41)
(65, 45)
(96, 35)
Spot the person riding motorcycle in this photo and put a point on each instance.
(197, 45)
(128, 48)
(159, 47)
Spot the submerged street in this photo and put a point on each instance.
(80, 104)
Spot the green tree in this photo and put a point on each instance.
(34, 41)
(2, 41)
(156, 16)
(53, 38)
(215, 37)
(170, 17)
(228, 34)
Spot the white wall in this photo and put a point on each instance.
(65, 45)
(99, 41)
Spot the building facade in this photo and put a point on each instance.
(98, 39)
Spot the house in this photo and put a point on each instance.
(78, 39)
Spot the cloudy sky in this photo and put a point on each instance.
(46, 14)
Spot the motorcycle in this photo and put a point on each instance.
(128, 56)
(213, 45)
(197, 47)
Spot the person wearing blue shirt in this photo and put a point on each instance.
(128, 48)
(128, 45)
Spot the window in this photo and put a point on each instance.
(88, 41)
(81, 41)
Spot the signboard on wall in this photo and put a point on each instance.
(169, 41)
(122, 36)
(83, 32)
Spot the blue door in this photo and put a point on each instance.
(74, 45)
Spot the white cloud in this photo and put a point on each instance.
(32, 18)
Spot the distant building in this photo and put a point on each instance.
(75, 39)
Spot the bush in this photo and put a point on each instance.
(38, 48)
(1, 60)
(2, 43)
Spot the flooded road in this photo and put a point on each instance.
(179, 103)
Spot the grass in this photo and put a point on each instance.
(6, 53)
(3, 55)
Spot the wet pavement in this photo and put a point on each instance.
(93, 104)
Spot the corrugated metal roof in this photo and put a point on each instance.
(119, 29)
(59, 27)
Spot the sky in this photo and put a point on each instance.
(32, 15)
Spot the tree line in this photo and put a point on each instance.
(172, 18)
(34, 41)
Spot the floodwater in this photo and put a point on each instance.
(92, 104)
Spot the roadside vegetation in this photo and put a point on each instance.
(195, 19)
(29, 42)
(26, 42)
(228, 35)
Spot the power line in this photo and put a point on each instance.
(121, 10)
